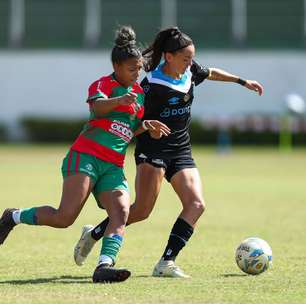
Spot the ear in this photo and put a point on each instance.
(116, 65)
(168, 57)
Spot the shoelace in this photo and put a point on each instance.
(173, 266)
(176, 268)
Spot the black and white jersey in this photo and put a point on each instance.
(169, 101)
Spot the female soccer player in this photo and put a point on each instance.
(168, 89)
(95, 160)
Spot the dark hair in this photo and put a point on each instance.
(125, 45)
(168, 40)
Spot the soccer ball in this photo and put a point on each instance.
(254, 256)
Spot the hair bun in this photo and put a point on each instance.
(175, 31)
(125, 36)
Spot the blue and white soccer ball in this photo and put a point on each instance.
(254, 256)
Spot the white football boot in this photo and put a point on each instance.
(168, 269)
(84, 245)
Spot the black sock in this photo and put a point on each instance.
(98, 232)
(179, 236)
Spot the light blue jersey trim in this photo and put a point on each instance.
(182, 85)
(158, 73)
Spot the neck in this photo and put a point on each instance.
(120, 80)
(170, 72)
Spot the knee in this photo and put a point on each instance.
(143, 214)
(198, 207)
(141, 211)
(64, 221)
(122, 214)
(201, 207)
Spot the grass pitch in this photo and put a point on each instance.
(248, 193)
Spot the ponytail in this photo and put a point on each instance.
(168, 40)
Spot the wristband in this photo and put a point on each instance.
(144, 125)
(241, 81)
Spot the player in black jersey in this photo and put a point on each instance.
(168, 89)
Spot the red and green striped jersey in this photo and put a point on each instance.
(108, 136)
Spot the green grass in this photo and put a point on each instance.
(248, 193)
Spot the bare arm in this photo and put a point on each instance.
(221, 75)
(102, 106)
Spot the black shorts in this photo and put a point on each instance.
(171, 165)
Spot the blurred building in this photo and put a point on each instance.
(51, 50)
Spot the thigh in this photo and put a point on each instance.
(147, 185)
(80, 174)
(76, 189)
(188, 186)
(111, 178)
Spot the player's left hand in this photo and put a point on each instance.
(254, 86)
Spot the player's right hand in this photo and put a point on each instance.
(157, 128)
(127, 99)
(155, 134)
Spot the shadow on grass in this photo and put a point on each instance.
(56, 280)
(231, 275)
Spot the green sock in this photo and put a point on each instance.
(28, 216)
(111, 246)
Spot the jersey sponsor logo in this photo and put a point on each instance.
(174, 112)
(122, 123)
(173, 100)
(121, 130)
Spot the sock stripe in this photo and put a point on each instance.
(177, 236)
(110, 247)
(117, 237)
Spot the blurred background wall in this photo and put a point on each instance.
(50, 51)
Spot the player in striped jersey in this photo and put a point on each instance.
(94, 164)
(168, 87)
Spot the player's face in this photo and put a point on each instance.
(182, 59)
(128, 72)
